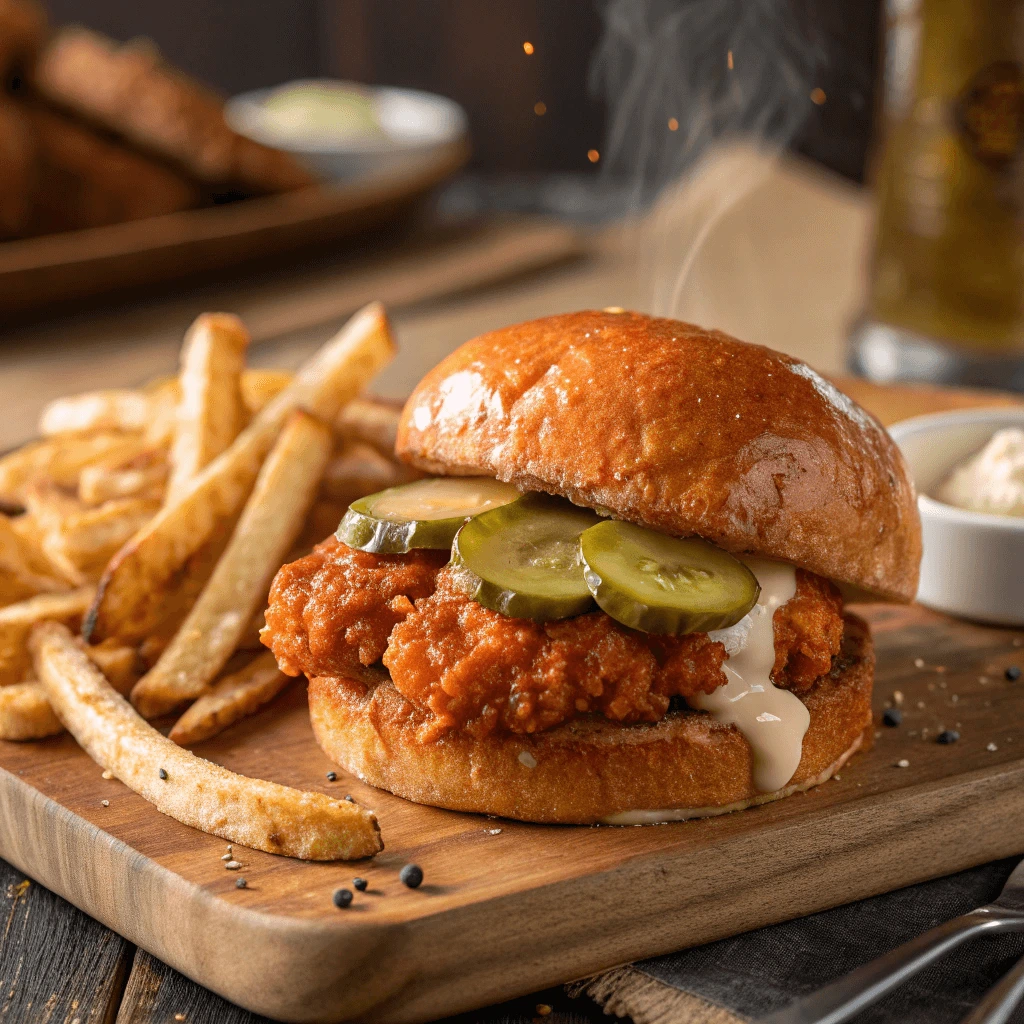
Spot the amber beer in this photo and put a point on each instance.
(946, 298)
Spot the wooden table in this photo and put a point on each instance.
(784, 267)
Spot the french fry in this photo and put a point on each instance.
(359, 469)
(96, 410)
(230, 699)
(59, 460)
(249, 812)
(17, 620)
(268, 526)
(260, 386)
(22, 568)
(163, 396)
(82, 541)
(372, 420)
(134, 587)
(144, 477)
(250, 639)
(25, 713)
(119, 664)
(210, 410)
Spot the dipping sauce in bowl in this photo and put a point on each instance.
(966, 467)
(991, 481)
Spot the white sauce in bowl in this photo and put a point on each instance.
(992, 480)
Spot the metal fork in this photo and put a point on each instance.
(848, 996)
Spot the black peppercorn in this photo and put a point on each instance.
(342, 897)
(948, 736)
(411, 875)
(163, 773)
(332, 776)
(1013, 673)
(892, 717)
(360, 884)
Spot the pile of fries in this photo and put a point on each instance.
(141, 536)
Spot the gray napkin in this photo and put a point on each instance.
(745, 977)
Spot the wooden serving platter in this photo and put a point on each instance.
(36, 273)
(508, 908)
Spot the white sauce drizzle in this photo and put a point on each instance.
(772, 720)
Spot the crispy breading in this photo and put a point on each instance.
(331, 612)
(339, 610)
(808, 633)
(83, 180)
(129, 90)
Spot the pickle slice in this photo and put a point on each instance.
(422, 514)
(523, 559)
(660, 584)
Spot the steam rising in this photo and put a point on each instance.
(735, 77)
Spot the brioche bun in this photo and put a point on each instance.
(589, 769)
(685, 430)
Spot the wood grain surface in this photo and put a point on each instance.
(509, 907)
(56, 964)
(73, 265)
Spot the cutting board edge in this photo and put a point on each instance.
(306, 970)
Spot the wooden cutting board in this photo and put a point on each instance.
(508, 908)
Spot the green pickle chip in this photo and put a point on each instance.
(523, 559)
(422, 514)
(661, 584)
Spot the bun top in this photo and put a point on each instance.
(685, 430)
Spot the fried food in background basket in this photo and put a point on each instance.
(95, 132)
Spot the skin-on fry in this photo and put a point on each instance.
(231, 699)
(211, 413)
(269, 525)
(96, 410)
(249, 812)
(17, 620)
(372, 420)
(133, 589)
(25, 713)
(60, 460)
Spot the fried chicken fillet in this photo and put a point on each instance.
(339, 611)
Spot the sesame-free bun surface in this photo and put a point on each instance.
(589, 769)
(682, 429)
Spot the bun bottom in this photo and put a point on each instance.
(590, 769)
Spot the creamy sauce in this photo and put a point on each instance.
(773, 721)
(991, 481)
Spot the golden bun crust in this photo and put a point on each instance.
(682, 429)
(590, 769)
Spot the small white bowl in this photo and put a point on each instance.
(973, 564)
(415, 125)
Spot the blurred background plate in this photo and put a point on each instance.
(405, 126)
(77, 265)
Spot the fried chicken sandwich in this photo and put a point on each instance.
(618, 595)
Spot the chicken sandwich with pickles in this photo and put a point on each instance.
(618, 595)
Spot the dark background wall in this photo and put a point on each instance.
(472, 50)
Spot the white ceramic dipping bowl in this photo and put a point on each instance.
(416, 126)
(973, 564)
